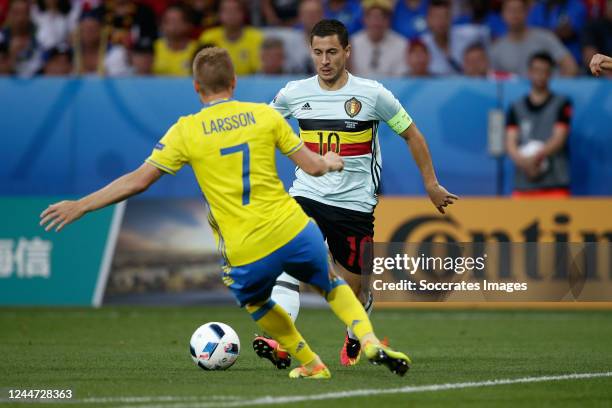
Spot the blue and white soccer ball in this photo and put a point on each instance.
(214, 346)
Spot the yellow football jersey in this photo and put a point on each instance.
(231, 147)
(170, 62)
(245, 52)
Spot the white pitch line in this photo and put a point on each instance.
(271, 400)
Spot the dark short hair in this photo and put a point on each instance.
(542, 56)
(94, 14)
(525, 3)
(325, 28)
(475, 46)
(416, 43)
(272, 42)
(183, 9)
(60, 49)
(439, 3)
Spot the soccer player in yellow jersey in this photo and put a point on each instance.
(242, 42)
(260, 229)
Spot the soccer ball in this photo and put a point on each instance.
(532, 148)
(214, 346)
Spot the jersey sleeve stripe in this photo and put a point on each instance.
(295, 149)
(161, 167)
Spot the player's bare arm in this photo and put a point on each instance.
(600, 63)
(317, 165)
(65, 212)
(438, 195)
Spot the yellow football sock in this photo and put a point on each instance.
(275, 321)
(345, 305)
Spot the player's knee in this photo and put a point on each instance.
(259, 309)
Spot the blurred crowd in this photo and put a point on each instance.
(417, 38)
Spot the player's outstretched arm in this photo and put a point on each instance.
(63, 213)
(317, 165)
(438, 195)
(600, 63)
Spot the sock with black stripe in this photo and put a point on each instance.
(286, 294)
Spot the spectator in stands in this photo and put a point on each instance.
(24, 53)
(374, 49)
(142, 57)
(410, 18)
(310, 13)
(566, 18)
(92, 53)
(58, 61)
(476, 61)
(89, 47)
(536, 135)
(597, 38)
(280, 12)
(205, 15)
(481, 12)
(297, 40)
(127, 22)
(272, 56)
(511, 53)
(242, 42)
(158, 6)
(348, 12)
(54, 20)
(417, 59)
(6, 67)
(446, 44)
(174, 50)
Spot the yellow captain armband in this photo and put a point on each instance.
(400, 122)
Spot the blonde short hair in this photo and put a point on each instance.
(213, 69)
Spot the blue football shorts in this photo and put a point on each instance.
(304, 257)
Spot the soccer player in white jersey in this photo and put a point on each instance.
(340, 112)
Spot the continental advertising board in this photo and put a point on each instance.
(487, 249)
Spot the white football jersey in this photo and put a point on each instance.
(345, 121)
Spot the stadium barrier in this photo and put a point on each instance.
(524, 250)
(70, 136)
(163, 252)
(69, 268)
(174, 259)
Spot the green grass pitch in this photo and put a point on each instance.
(139, 357)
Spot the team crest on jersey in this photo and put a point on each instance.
(352, 107)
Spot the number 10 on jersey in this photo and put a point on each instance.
(246, 170)
(333, 143)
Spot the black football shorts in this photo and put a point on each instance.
(346, 231)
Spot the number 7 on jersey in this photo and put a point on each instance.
(246, 182)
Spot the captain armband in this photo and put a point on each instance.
(400, 122)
